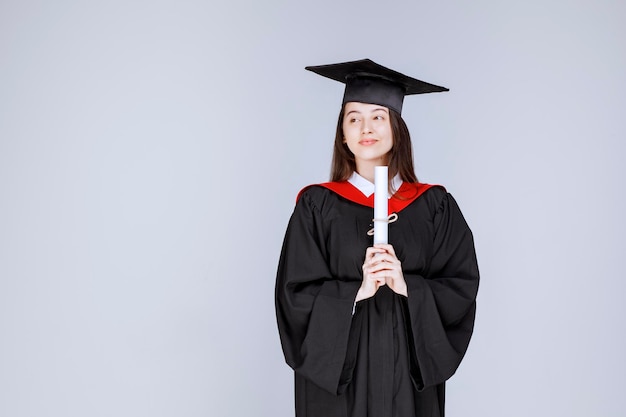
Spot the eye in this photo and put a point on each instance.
(379, 117)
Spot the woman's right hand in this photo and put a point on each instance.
(371, 281)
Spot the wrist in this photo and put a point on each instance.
(401, 289)
(363, 293)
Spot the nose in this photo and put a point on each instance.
(365, 127)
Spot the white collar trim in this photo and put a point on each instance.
(367, 188)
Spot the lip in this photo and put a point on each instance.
(367, 142)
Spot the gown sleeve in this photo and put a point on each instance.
(442, 305)
(313, 308)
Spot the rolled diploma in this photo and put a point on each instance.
(381, 204)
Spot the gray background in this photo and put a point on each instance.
(151, 151)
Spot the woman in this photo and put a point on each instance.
(374, 330)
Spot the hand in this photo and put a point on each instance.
(381, 267)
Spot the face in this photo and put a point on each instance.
(367, 132)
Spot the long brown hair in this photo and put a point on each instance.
(400, 155)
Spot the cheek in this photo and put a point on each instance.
(389, 133)
(348, 131)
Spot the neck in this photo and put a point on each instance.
(366, 170)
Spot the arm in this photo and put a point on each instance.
(313, 308)
(441, 306)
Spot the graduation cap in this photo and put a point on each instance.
(369, 82)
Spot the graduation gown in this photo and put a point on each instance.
(389, 355)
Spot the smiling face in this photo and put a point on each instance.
(367, 133)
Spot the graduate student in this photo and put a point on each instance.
(374, 330)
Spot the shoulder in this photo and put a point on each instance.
(316, 198)
(341, 188)
(434, 197)
(433, 190)
(442, 203)
(436, 193)
(432, 193)
(439, 195)
(311, 191)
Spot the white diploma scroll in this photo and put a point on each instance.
(381, 204)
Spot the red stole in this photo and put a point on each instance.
(407, 193)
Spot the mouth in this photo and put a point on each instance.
(367, 142)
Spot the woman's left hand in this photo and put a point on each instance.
(384, 263)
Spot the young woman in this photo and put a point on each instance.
(374, 330)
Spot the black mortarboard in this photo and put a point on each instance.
(368, 82)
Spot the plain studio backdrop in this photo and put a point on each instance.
(151, 152)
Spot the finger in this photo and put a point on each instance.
(375, 267)
(384, 276)
(384, 260)
(371, 254)
(392, 272)
(374, 281)
(386, 247)
(373, 250)
(388, 259)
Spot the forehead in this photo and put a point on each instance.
(356, 106)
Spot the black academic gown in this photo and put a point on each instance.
(390, 355)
